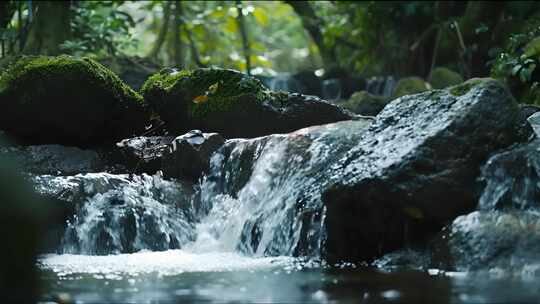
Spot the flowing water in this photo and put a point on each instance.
(236, 236)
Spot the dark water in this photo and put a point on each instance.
(181, 277)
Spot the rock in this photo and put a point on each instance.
(132, 70)
(311, 83)
(54, 159)
(143, 154)
(348, 83)
(232, 104)
(510, 178)
(357, 189)
(68, 101)
(189, 155)
(415, 167)
(409, 86)
(484, 240)
(529, 122)
(442, 77)
(114, 214)
(366, 104)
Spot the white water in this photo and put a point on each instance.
(170, 262)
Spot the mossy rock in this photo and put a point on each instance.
(366, 104)
(231, 103)
(409, 86)
(442, 77)
(69, 101)
(464, 88)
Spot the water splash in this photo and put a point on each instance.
(122, 213)
(263, 195)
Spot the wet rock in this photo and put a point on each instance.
(415, 168)
(189, 155)
(529, 122)
(54, 159)
(232, 104)
(507, 240)
(366, 104)
(311, 83)
(510, 178)
(143, 154)
(68, 101)
(120, 213)
(442, 77)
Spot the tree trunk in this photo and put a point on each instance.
(193, 49)
(312, 23)
(243, 34)
(162, 32)
(49, 29)
(177, 42)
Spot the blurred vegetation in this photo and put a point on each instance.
(367, 38)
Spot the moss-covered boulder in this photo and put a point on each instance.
(442, 77)
(366, 104)
(409, 86)
(69, 101)
(231, 103)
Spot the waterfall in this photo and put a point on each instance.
(262, 195)
(381, 86)
(284, 82)
(121, 213)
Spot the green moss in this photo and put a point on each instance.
(204, 90)
(464, 88)
(23, 74)
(409, 86)
(441, 78)
(364, 103)
(67, 100)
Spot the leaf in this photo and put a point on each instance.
(231, 25)
(515, 69)
(200, 99)
(260, 16)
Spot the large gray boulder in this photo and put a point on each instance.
(415, 167)
(483, 240)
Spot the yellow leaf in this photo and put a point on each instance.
(260, 16)
(200, 99)
(231, 25)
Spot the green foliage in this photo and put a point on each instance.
(99, 27)
(517, 62)
(362, 30)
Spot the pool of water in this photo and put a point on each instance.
(183, 277)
